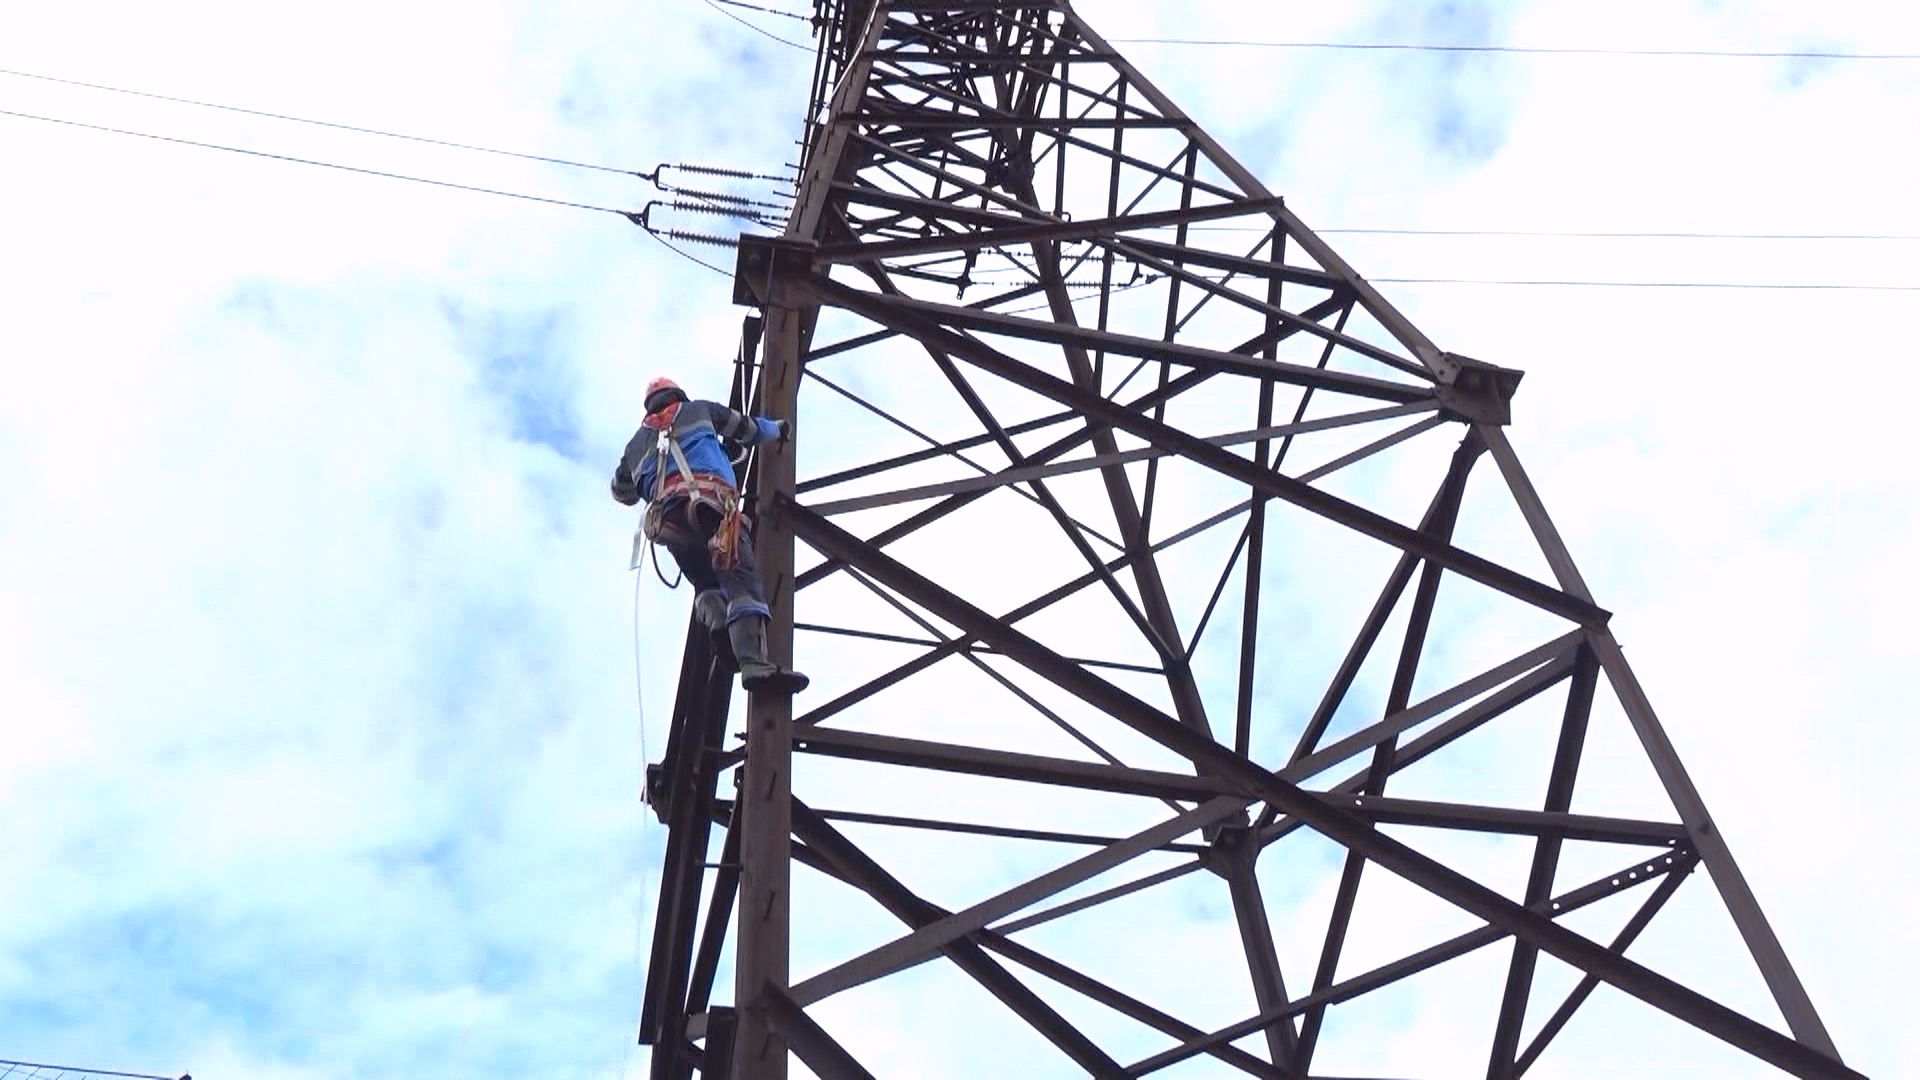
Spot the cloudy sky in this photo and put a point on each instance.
(316, 631)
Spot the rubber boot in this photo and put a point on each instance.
(757, 675)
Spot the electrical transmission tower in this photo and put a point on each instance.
(1195, 666)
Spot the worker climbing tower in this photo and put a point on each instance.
(1200, 685)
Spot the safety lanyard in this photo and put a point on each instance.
(665, 446)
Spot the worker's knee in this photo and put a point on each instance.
(743, 583)
(743, 607)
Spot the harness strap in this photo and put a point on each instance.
(684, 470)
(699, 489)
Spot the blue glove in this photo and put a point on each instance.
(769, 430)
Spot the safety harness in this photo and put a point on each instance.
(693, 490)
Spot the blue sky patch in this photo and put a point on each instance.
(522, 361)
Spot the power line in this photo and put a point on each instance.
(1734, 285)
(742, 174)
(1622, 235)
(316, 123)
(663, 234)
(1395, 46)
(653, 177)
(1649, 284)
(638, 218)
(768, 10)
(1589, 234)
(310, 161)
(73, 1071)
(755, 29)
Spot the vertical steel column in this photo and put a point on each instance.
(766, 791)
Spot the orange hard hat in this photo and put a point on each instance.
(661, 392)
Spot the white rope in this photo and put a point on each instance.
(640, 705)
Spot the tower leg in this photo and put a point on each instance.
(765, 797)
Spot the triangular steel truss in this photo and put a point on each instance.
(1133, 542)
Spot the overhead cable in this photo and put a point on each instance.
(1395, 46)
(1544, 233)
(75, 1072)
(316, 123)
(1626, 235)
(768, 10)
(1650, 284)
(653, 176)
(1730, 285)
(756, 29)
(664, 235)
(310, 161)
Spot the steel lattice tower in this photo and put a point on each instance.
(1096, 438)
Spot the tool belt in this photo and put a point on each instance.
(672, 517)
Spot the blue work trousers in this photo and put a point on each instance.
(687, 542)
